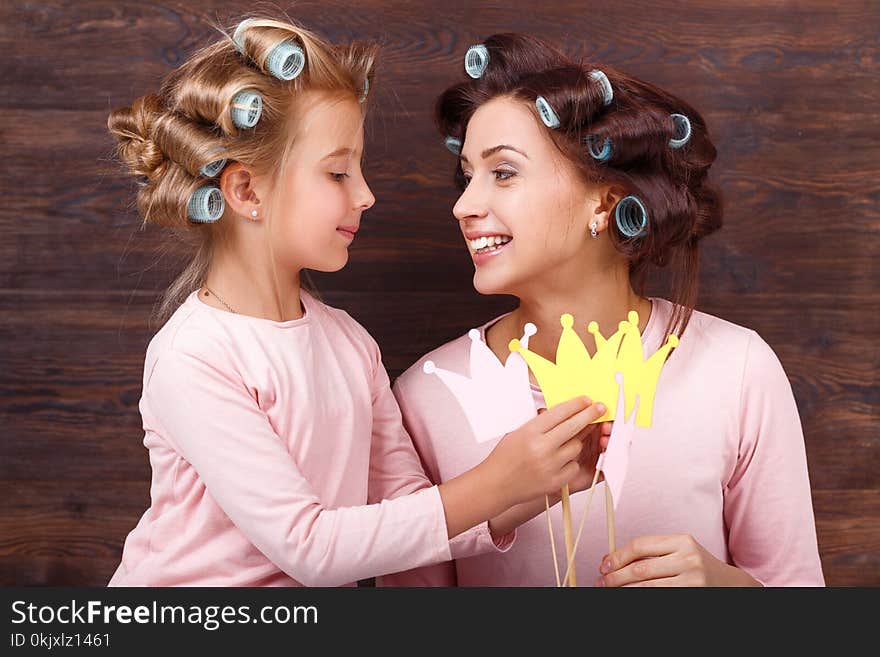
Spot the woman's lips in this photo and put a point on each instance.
(483, 258)
(347, 232)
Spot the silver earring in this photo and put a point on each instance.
(593, 233)
(254, 213)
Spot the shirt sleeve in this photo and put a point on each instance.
(768, 508)
(441, 574)
(395, 467)
(208, 415)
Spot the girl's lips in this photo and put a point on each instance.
(346, 232)
(483, 258)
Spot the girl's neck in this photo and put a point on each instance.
(250, 288)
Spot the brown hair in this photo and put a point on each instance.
(165, 138)
(683, 207)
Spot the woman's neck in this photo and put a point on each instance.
(604, 298)
(250, 288)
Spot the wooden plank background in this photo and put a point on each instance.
(789, 89)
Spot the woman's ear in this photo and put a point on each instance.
(238, 187)
(608, 198)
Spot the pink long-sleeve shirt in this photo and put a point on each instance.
(276, 449)
(723, 461)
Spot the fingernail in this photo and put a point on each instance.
(601, 408)
(600, 581)
(606, 566)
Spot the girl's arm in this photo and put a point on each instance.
(210, 418)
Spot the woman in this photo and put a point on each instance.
(574, 180)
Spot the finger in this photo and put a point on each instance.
(639, 548)
(570, 427)
(559, 413)
(604, 441)
(663, 581)
(570, 451)
(670, 565)
(568, 473)
(607, 427)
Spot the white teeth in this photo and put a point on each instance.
(488, 243)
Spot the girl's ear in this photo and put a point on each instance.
(237, 185)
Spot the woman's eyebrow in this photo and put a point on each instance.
(501, 147)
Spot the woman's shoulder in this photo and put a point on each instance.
(453, 356)
(726, 345)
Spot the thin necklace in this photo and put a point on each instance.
(228, 307)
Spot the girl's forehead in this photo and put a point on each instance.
(327, 124)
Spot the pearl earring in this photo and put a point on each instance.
(254, 213)
(593, 231)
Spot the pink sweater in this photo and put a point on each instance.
(272, 446)
(723, 461)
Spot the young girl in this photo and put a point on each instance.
(275, 441)
(574, 179)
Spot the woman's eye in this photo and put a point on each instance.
(503, 175)
(339, 177)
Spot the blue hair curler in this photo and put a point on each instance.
(211, 169)
(453, 145)
(631, 216)
(548, 116)
(247, 106)
(286, 61)
(607, 90)
(206, 205)
(476, 59)
(682, 130)
(601, 155)
(238, 35)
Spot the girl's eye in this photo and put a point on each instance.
(339, 177)
(503, 175)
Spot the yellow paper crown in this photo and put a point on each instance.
(575, 374)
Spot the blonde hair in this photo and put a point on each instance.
(165, 138)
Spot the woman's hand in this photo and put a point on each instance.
(595, 441)
(677, 560)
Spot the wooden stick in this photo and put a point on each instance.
(577, 539)
(552, 540)
(609, 517)
(569, 538)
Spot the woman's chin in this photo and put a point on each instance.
(487, 284)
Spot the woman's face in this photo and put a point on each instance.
(322, 190)
(524, 213)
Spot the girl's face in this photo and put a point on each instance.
(321, 194)
(524, 213)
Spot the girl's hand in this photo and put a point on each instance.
(676, 560)
(544, 454)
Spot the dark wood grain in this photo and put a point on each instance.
(789, 90)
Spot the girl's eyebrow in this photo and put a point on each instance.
(338, 152)
(501, 147)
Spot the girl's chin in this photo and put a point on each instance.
(330, 265)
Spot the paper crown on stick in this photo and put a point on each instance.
(576, 374)
(495, 398)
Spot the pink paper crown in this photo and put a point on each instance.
(497, 398)
(614, 461)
